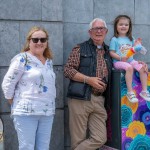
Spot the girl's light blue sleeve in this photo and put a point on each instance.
(133, 41)
(13, 75)
(112, 45)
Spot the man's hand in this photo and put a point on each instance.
(97, 83)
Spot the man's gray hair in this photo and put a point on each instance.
(96, 19)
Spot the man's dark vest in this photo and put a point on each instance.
(88, 64)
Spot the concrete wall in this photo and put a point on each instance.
(67, 23)
(77, 15)
(16, 18)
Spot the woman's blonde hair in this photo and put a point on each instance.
(47, 53)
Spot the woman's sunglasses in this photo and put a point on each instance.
(36, 40)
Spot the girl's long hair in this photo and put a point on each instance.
(129, 33)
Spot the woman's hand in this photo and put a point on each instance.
(10, 101)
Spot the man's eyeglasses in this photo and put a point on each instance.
(36, 40)
(96, 29)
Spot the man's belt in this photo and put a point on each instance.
(96, 93)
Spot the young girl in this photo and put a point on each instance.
(119, 46)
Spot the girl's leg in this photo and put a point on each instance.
(143, 78)
(43, 134)
(142, 73)
(128, 77)
(26, 127)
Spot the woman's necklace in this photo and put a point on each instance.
(40, 58)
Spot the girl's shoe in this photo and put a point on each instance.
(131, 97)
(145, 95)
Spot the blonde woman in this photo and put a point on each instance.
(29, 86)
